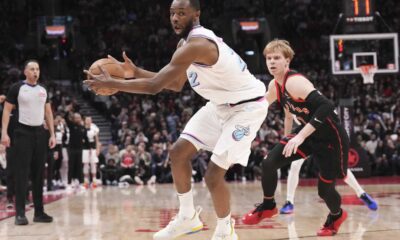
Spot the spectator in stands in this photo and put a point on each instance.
(90, 153)
(199, 165)
(158, 164)
(112, 153)
(144, 164)
(128, 162)
(110, 172)
(77, 139)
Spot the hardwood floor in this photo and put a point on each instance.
(137, 212)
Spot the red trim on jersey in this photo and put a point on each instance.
(340, 145)
(282, 87)
(301, 153)
(325, 180)
(284, 81)
(278, 94)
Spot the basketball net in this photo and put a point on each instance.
(367, 72)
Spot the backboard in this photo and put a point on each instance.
(349, 51)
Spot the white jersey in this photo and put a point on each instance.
(92, 132)
(228, 80)
(59, 132)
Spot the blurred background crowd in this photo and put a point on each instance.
(142, 128)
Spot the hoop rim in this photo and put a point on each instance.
(367, 72)
(367, 69)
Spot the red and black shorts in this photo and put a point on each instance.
(329, 147)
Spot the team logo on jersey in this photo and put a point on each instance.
(192, 77)
(240, 132)
(42, 94)
(297, 109)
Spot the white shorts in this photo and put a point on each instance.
(226, 131)
(87, 158)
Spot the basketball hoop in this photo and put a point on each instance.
(367, 72)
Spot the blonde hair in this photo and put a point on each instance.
(278, 45)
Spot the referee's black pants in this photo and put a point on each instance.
(30, 157)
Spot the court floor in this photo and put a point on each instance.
(136, 212)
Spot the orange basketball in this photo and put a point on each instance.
(112, 68)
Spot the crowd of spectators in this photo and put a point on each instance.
(144, 127)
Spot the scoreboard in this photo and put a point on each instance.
(359, 16)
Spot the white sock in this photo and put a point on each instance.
(224, 225)
(352, 182)
(293, 179)
(186, 206)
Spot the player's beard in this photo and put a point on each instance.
(185, 32)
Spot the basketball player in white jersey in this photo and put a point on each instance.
(293, 181)
(89, 153)
(226, 125)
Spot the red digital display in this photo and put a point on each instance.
(365, 6)
(359, 11)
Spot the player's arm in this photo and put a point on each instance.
(142, 73)
(133, 71)
(324, 107)
(308, 93)
(288, 122)
(48, 113)
(5, 139)
(9, 104)
(270, 95)
(130, 69)
(172, 76)
(300, 87)
(182, 76)
(180, 43)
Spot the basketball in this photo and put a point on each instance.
(112, 68)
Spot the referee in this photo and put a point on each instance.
(30, 143)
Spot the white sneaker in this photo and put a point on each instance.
(138, 180)
(180, 226)
(152, 180)
(222, 236)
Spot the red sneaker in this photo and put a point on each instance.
(331, 227)
(259, 213)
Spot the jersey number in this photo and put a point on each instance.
(193, 79)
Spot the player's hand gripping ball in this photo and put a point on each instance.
(115, 71)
